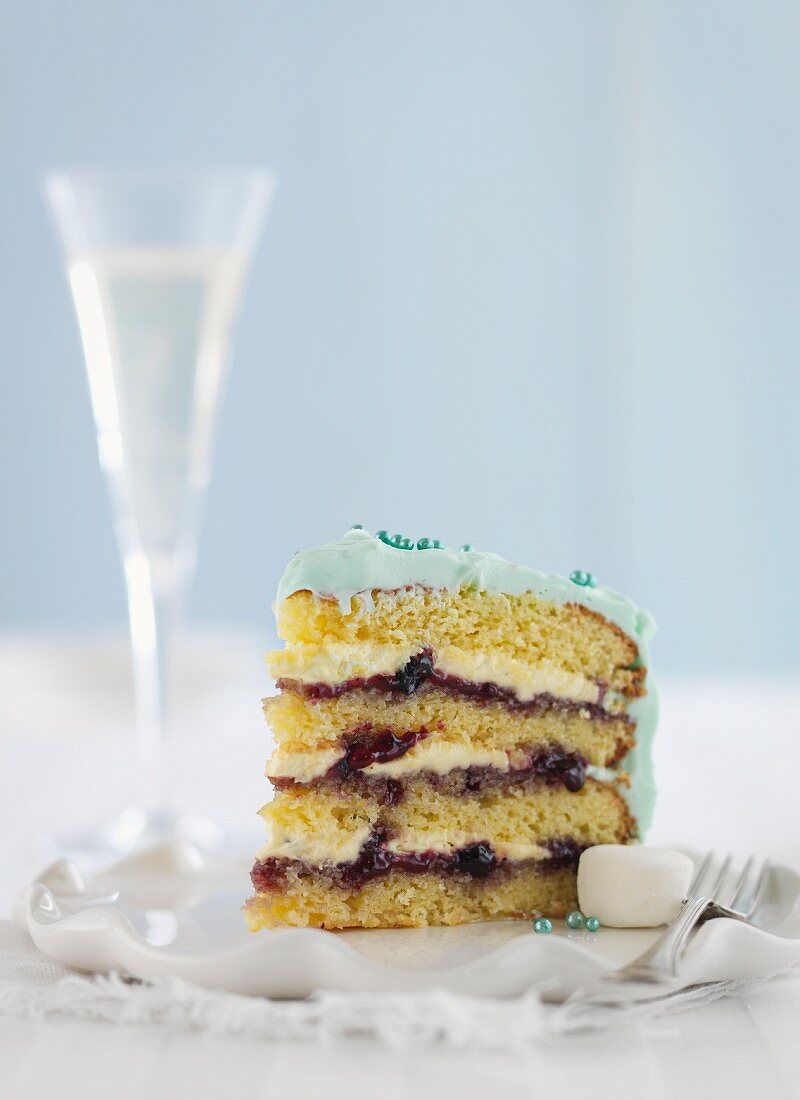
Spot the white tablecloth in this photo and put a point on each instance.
(727, 756)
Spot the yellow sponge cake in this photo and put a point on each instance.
(452, 731)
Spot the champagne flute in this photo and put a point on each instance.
(156, 262)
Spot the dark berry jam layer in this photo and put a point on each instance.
(421, 670)
(477, 861)
(366, 746)
(548, 767)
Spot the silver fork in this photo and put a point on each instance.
(710, 895)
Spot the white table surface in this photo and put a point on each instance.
(727, 757)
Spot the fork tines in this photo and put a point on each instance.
(742, 894)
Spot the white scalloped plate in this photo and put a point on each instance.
(172, 912)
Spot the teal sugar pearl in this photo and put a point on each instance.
(424, 544)
(592, 924)
(543, 926)
(465, 549)
(398, 541)
(437, 545)
(574, 919)
(357, 527)
(584, 579)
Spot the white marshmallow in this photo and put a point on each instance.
(632, 887)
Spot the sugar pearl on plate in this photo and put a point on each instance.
(632, 887)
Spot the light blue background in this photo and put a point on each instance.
(531, 281)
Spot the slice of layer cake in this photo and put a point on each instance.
(452, 732)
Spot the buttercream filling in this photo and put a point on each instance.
(386, 755)
(423, 753)
(326, 672)
(377, 857)
(421, 670)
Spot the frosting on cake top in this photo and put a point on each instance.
(359, 562)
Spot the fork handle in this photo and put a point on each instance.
(660, 963)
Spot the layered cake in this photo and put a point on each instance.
(452, 731)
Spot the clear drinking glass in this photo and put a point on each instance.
(156, 262)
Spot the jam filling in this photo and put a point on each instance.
(476, 861)
(546, 766)
(366, 747)
(420, 670)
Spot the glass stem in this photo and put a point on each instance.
(152, 611)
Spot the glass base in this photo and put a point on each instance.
(133, 830)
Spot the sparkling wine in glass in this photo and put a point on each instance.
(156, 262)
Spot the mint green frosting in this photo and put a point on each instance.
(358, 563)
